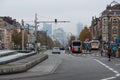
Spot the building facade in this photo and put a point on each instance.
(48, 28)
(96, 28)
(7, 24)
(60, 35)
(107, 27)
(111, 22)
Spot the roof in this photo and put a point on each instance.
(114, 3)
(113, 6)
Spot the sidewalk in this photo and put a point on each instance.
(46, 67)
(22, 65)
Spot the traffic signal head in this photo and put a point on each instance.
(55, 20)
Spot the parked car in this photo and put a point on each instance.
(56, 50)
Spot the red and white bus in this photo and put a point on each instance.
(76, 46)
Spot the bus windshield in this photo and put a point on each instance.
(94, 43)
(76, 43)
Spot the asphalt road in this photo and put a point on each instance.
(73, 67)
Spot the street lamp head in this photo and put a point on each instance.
(110, 10)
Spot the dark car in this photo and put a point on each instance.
(62, 48)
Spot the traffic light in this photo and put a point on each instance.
(55, 20)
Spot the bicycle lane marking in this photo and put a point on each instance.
(111, 69)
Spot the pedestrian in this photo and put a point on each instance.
(101, 51)
(89, 49)
(119, 51)
(114, 49)
(109, 53)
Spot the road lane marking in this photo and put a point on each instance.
(111, 69)
(117, 64)
(109, 78)
(117, 75)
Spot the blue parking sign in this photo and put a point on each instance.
(117, 41)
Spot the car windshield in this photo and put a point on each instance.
(56, 48)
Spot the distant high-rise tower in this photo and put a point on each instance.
(60, 35)
(48, 28)
(79, 28)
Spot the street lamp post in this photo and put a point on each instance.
(22, 35)
(28, 36)
(69, 36)
(11, 37)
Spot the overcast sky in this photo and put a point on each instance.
(74, 11)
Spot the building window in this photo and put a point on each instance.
(114, 21)
(103, 29)
(105, 21)
(114, 30)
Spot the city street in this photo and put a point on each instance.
(66, 66)
(60, 40)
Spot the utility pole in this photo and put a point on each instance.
(36, 29)
(22, 35)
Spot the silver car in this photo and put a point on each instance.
(56, 50)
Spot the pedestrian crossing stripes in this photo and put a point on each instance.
(87, 55)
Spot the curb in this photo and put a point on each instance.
(21, 67)
(7, 53)
(15, 59)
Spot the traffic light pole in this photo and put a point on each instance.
(36, 29)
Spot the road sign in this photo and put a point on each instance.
(116, 40)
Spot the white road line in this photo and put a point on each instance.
(117, 64)
(109, 78)
(111, 69)
(117, 75)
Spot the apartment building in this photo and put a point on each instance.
(107, 27)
